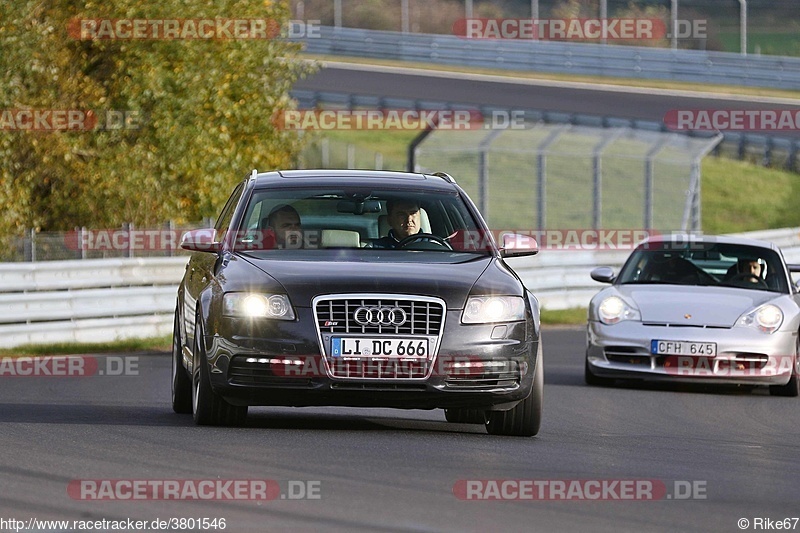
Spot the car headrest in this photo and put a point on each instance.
(384, 227)
(339, 238)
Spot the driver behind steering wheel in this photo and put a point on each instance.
(748, 269)
(404, 219)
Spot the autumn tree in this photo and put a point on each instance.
(199, 112)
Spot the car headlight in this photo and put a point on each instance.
(614, 309)
(767, 318)
(486, 309)
(244, 304)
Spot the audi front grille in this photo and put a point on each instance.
(379, 316)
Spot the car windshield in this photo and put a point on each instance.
(709, 264)
(302, 219)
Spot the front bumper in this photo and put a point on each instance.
(744, 356)
(487, 366)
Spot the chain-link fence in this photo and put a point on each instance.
(331, 153)
(550, 176)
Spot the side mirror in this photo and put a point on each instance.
(516, 245)
(603, 274)
(201, 240)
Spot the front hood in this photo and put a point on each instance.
(449, 278)
(704, 306)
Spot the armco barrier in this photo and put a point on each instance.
(636, 62)
(98, 300)
(93, 300)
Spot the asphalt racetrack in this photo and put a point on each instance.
(518, 93)
(700, 459)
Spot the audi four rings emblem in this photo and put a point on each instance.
(379, 316)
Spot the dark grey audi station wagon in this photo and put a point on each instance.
(356, 288)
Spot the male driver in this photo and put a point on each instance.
(285, 222)
(404, 219)
(747, 269)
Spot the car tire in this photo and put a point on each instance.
(525, 418)
(593, 380)
(465, 416)
(181, 384)
(208, 407)
(791, 389)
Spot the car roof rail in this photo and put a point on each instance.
(445, 176)
(253, 174)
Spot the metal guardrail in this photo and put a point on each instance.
(98, 300)
(562, 57)
(92, 300)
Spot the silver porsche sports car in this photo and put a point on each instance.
(705, 309)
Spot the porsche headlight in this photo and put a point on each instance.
(614, 309)
(767, 318)
(244, 304)
(486, 309)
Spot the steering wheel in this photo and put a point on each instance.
(742, 276)
(424, 237)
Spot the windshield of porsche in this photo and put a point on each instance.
(732, 265)
(314, 219)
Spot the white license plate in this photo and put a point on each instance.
(662, 347)
(376, 347)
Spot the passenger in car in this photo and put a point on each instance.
(284, 221)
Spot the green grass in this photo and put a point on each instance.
(739, 196)
(562, 317)
(161, 344)
(786, 43)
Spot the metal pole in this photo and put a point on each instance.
(743, 26)
(170, 232)
(541, 172)
(378, 161)
(649, 178)
(81, 247)
(404, 15)
(696, 205)
(468, 9)
(325, 149)
(351, 155)
(674, 17)
(337, 13)
(597, 178)
(483, 172)
(535, 17)
(604, 15)
(129, 228)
